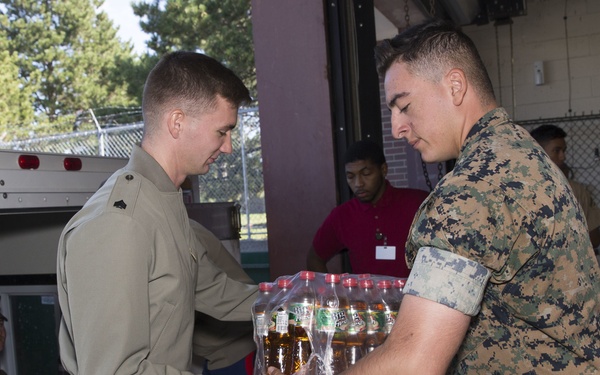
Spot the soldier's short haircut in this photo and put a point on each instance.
(192, 81)
(547, 132)
(431, 49)
(365, 150)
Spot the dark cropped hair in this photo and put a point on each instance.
(365, 150)
(191, 80)
(547, 132)
(431, 49)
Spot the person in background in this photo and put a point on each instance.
(372, 226)
(130, 269)
(227, 347)
(503, 278)
(2, 337)
(552, 140)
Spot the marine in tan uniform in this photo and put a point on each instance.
(131, 271)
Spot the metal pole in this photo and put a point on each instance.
(100, 134)
(245, 175)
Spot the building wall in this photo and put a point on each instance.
(296, 135)
(572, 86)
(538, 36)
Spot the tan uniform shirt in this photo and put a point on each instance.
(130, 274)
(590, 210)
(221, 343)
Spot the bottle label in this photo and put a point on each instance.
(390, 319)
(282, 320)
(358, 321)
(376, 321)
(302, 314)
(260, 324)
(332, 320)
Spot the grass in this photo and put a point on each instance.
(258, 227)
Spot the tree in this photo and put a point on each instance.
(220, 28)
(223, 30)
(15, 98)
(69, 57)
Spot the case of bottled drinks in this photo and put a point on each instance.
(322, 323)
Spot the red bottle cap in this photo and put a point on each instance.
(284, 283)
(350, 282)
(332, 278)
(399, 283)
(307, 275)
(384, 284)
(366, 283)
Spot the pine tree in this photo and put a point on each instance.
(220, 28)
(69, 57)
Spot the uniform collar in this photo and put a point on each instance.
(141, 162)
(484, 128)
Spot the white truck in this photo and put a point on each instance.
(39, 193)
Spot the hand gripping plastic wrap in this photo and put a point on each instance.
(320, 324)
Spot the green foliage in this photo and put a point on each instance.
(61, 58)
(220, 28)
(68, 59)
(15, 99)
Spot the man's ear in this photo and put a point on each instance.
(384, 169)
(458, 85)
(174, 122)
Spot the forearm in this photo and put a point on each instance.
(314, 262)
(424, 339)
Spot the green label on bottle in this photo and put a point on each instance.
(358, 321)
(332, 320)
(376, 321)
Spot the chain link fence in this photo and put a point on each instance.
(232, 178)
(583, 145)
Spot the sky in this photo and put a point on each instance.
(121, 14)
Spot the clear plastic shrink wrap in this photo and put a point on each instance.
(322, 323)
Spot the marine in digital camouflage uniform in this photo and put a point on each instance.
(503, 277)
(509, 209)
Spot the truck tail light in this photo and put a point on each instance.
(72, 164)
(29, 162)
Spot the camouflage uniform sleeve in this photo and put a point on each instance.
(475, 219)
(448, 279)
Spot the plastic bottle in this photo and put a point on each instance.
(398, 288)
(391, 305)
(375, 316)
(281, 332)
(332, 326)
(302, 305)
(357, 315)
(261, 326)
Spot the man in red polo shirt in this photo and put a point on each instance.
(373, 226)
